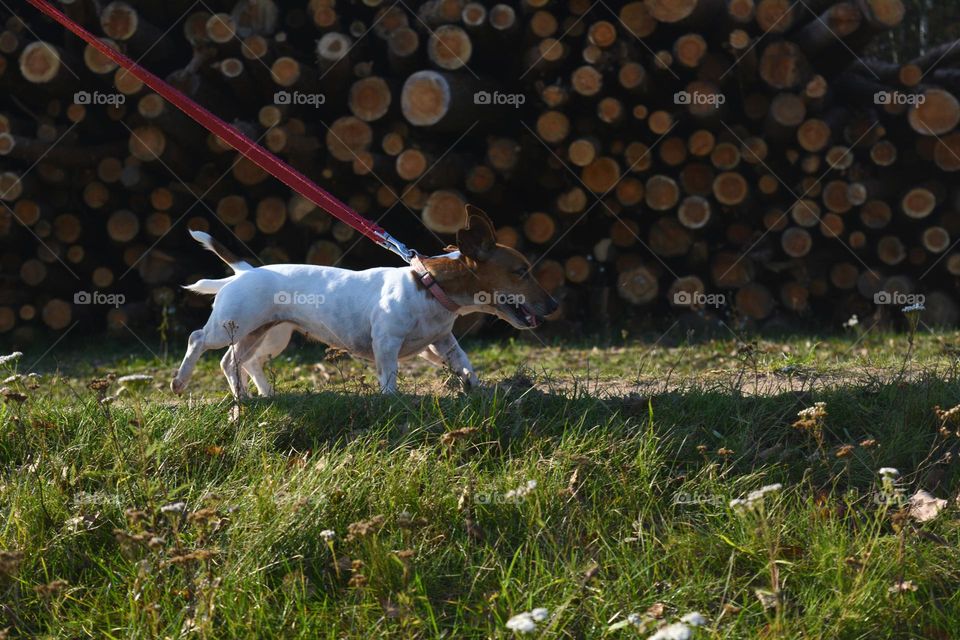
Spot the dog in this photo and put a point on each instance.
(383, 315)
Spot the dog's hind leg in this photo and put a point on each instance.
(270, 345)
(430, 355)
(237, 377)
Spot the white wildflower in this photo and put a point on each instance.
(539, 614)
(694, 619)
(852, 322)
(755, 498)
(522, 491)
(13, 357)
(889, 472)
(522, 623)
(675, 631)
(328, 535)
(818, 410)
(914, 308)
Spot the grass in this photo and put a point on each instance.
(152, 516)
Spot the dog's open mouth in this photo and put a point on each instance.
(525, 315)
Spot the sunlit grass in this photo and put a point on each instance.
(139, 514)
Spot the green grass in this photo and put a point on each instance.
(636, 451)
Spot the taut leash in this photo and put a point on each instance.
(232, 136)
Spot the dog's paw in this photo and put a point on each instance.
(472, 384)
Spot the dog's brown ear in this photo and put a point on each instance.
(478, 239)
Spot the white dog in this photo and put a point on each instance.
(383, 314)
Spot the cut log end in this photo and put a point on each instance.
(638, 286)
(40, 62)
(370, 98)
(450, 47)
(796, 242)
(918, 203)
(426, 98)
(444, 212)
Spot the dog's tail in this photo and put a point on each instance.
(222, 252)
(207, 286)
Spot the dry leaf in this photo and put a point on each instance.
(768, 599)
(924, 507)
(902, 585)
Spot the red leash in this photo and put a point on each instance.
(247, 147)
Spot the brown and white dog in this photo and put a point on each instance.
(383, 314)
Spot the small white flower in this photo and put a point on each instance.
(755, 498)
(675, 631)
(328, 535)
(914, 308)
(539, 614)
(852, 322)
(522, 623)
(694, 619)
(13, 357)
(889, 472)
(522, 491)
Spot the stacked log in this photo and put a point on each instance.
(735, 158)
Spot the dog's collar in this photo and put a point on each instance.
(428, 281)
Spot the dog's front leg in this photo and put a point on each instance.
(386, 356)
(449, 350)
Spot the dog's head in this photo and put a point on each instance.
(502, 283)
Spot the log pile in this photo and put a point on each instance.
(738, 158)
